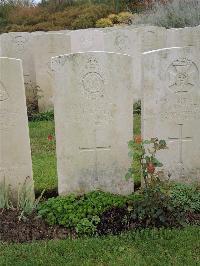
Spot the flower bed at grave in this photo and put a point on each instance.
(100, 213)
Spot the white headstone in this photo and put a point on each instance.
(196, 36)
(19, 45)
(86, 40)
(127, 42)
(93, 114)
(180, 37)
(152, 37)
(171, 108)
(15, 152)
(46, 46)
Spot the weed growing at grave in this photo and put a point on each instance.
(144, 161)
(24, 202)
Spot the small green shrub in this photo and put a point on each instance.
(187, 196)
(125, 17)
(156, 208)
(79, 212)
(103, 23)
(84, 22)
(114, 18)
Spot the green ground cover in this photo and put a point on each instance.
(149, 247)
(44, 155)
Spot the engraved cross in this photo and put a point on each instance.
(95, 149)
(180, 140)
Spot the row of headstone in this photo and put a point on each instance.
(36, 50)
(93, 110)
(94, 93)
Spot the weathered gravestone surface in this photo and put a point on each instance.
(171, 108)
(93, 114)
(86, 40)
(46, 46)
(196, 36)
(180, 37)
(152, 37)
(15, 152)
(19, 45)
(127, 42)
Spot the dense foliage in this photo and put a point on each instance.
(24, 15)
(158, 205)
(80, 213)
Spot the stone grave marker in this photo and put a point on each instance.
(86, 40)
(152, 37)
(180, 37)
(128, 42)
(15, 152)
(46, 46)
(171, 108)
(19, 45)
(93, 114)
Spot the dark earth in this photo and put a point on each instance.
(14, 227)
(17, 228)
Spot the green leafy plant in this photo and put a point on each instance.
(187, 196)
(79, 212)
(156, 207)
(144, 161)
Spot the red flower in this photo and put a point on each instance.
(50, 137)
(150, 168)
(138, 139)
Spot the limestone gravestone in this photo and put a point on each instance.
(152, 37)
(93, 114)
(86, 40)
(196, 36)
(127, 42)
(19, 45)
(15, 152)
(46, 46)
(180, 37)
(171, 108)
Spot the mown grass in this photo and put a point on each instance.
(149, 247)
(44, 155)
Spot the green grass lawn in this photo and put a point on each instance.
(165, 247)
(43, 153)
